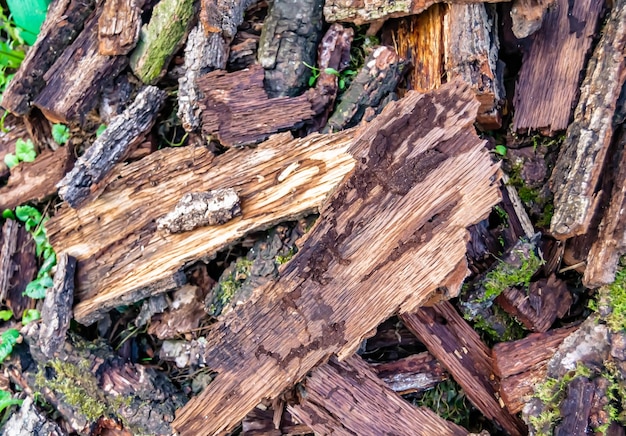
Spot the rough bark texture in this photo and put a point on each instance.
(357, 267)
(161, 38)
(361, 11)
(546, 91)
(35, 181)
(118, 26)
(122, 257)
(528, 15)
(74, 82)
(57, 307)
(237, 111)
(610, 244)
(576, 175)
(521, 365)
(419, 40)
(125, 130)
(288, 41)
(29, 421)
(459, 349)
(379, 76)
(415, 373)
(8, 247)
(21, 267)
(471, 47)
(64, 21)
(346, 398)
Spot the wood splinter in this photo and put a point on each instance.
(197, 209)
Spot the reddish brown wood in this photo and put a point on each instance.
(414, 373)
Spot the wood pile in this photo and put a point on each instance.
(300, 211)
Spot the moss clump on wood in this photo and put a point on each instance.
(505, 275)
(611, 301)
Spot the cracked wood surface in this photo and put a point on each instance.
(388, 237)
(122, 258)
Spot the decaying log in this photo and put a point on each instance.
(471, 48)
(35, 181)
(521, 365)
(160, 39)
(288, 42)
(545, 91)
(57, 307)
(357, 266)
(539, 306)
(118, 26)
(40, 130)
(576, 175)
(379, 76)
(414, 373)
(74, 82)
(419, 40)
(29, 421)
(64, 21)
(8, 247)
(361, 12)
(18, 267)
(120, 225)
(604, 255)
(237, 111)
(263, 421)
(528, 15)
(109, 148)
(346, 398)
(460, 350)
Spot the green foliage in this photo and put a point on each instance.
(9, 338)
(30, 315)
(448, 400)
(60, 133)
(101, 129)
(6, 314)
(11, 55)
(611, 300)
(24, 152)
(500, 150)
(6, 400)
(506, 275)
(343, 77)
(287, 257)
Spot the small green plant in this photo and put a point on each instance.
(9, 338)
(24, 152)
(448, 400)
(60, 133)
(11, 53)
(101, 129)
(6, 400)
(343, 78)
(500, 150)
(30, 315)
(6, 314)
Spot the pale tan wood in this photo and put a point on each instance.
(118, 26)
(347, 398)
(576, 175)
(386, 240)
(121, 255)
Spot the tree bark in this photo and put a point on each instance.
(118, 26)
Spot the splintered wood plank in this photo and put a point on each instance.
(74, 82)
(121, 255)
(365, 11)
(459, 349)
(118, 26)
(546, 90)
(237, 110)
(64, 21)
(576, 175)
(387, 238)
(610, 244)
(346, 398)
(471, 47)
(419, 40)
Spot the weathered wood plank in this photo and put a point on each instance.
(118, 26)
(414, 373)
(346, 398)
(64, 21)
(546, 91)
(108, 149)
(576, 175)
(459, 349)
(121, 255)
(421, 162)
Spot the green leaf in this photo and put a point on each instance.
(60, 133)
(25, 150)
(6, 314)
(312, 80)
(342, 83)
(30, 315)
(6, 400)
(501, 150)
(38, 287)
(331, 71)
(8, 214)
(47, 265)
(9, 339)
(11, 160)
(101, 129)
(23, 213)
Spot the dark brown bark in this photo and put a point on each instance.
(414, 373)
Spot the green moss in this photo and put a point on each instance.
(448, 400)
(611, 300)
(287, 257)
(228, 286)
(506, 275)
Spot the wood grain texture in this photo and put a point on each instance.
(346, 398)
(118, 26)
(421, 163)
(121, 255)
(460, 350)
(414, 373)
(545, 92)
(576, 175)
